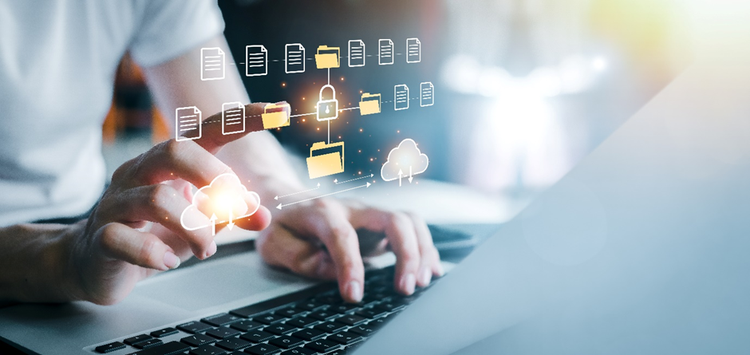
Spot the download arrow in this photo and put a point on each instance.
(231, 224)
(213, 224)
(281, 205)
(410, 176)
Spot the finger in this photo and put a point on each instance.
(162, 204)
(430, 258)
(279, 247)
(213, 137)
(138, 248)
(257, 221)
(328, 222)
(399, 230)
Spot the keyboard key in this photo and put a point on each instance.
(197, 340)
(221, 319)
(148, 343)
(246, 325)
(364, 330)
(345, 338)
(223, 332)
(342, 308)
(302, 322)
(286, 342)
(269, 318)
(330, 299)
(310, 305)
(322, 345)
(207, 350)
(309, 334)
(299, 351)
(323, 315)
(280, 329)
(256, 336)
(108, 348)
(170, 348)
(330, 327)
(289, 312)
(351, 319)
(137, 339)
(233, 344)
(164, 332)
(371, 313)
(262, 349)
(194, 327)
(391, 306)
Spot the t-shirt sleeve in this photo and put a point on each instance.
(169, 28)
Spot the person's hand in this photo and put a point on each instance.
(327, 238)
(135, 229)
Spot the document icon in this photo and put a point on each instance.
(295, 58)
(232, 118)
(212, 64)
(400, 97)
(325, 159)
(356, 53)
(426, 94)
(187, 123)
(369, 104)
(328, 57)
(413, 50)
(385, 52)
(256, 60)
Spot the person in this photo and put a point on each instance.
(57, 64)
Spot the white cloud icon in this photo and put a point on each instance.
(405, 160)
(226, 198)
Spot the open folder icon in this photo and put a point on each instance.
(275, 116)
(325, 159)
(370, 104)
(327, 57)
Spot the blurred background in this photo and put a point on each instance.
(524, 89)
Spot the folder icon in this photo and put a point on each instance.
(328, 57)
(325, 159)
(370, 104)
(276, 115)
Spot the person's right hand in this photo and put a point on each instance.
(116, 247)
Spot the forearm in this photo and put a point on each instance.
(34, 263)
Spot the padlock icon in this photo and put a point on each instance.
(328, 109)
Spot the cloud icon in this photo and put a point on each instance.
(405, 160)
(226, 198)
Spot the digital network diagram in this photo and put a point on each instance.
(326, 158)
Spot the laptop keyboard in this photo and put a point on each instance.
(312, 321)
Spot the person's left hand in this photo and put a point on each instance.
(326, 238)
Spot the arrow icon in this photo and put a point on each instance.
(359, 178)
(295, 193)
(410, 175)
(400, 175)
(231, 224)
(213, 224)
(281, 205)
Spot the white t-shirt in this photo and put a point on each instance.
(57, 68)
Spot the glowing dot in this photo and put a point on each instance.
(360, 91)
(399, 131)
(303, 98)
(359, 151)
(303, 120)
(283, 85)
(166, 217)
(342, 78)
(361, 130)
(360, 173)
(371, 159)
(318, 128)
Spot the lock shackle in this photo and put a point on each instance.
(333, 90)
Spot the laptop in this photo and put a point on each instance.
(642, 248)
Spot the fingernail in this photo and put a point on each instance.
(171, 260)
(354, 290)
(426, 276)
(407, 284)
(211, 249)
(440, 270)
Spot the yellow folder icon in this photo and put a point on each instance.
(325, 159)
(369, 104)
(328, 57)
(276, 115)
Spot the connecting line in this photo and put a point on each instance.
(281, 205)
(349, 109)
(329, 131)
(303, 114)
(329, 76)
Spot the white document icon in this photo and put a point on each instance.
(256, 60)
(232, 118)
(413, 50)
(400, 97)
(295, 58)
(212, 64)
(385, 52)
(426, 94)
(187, 123)
(356, 53)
